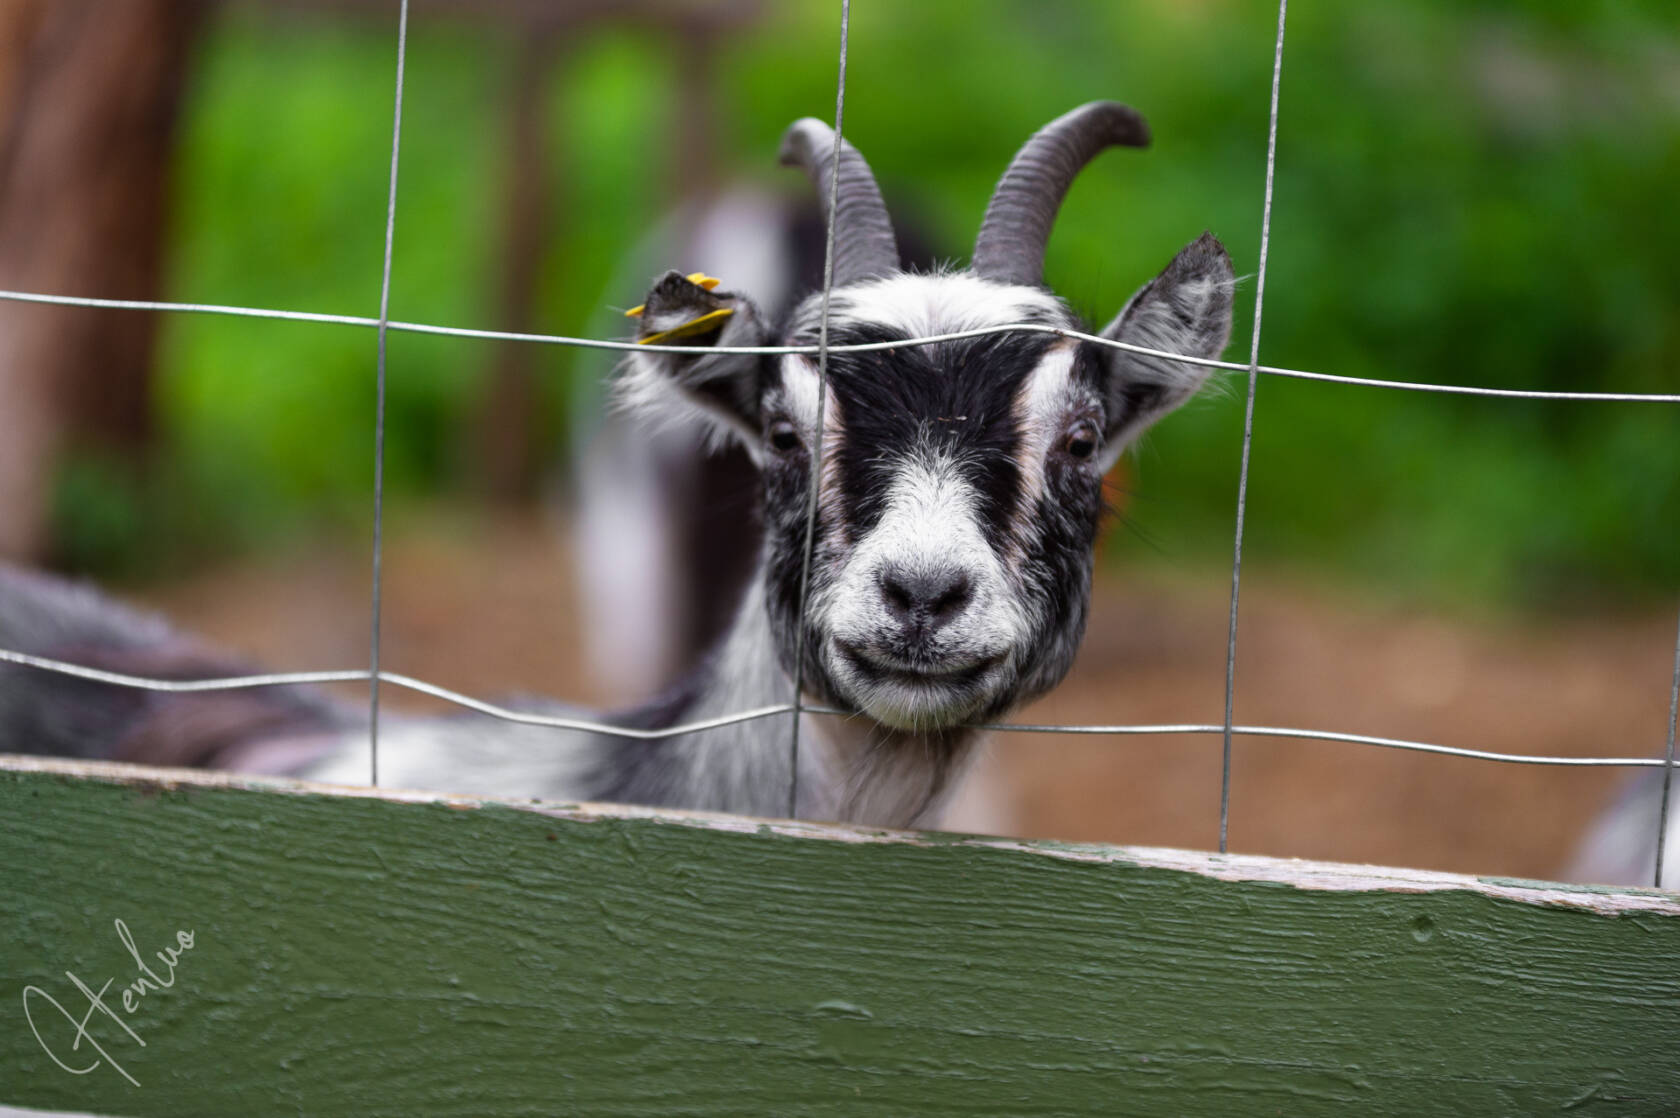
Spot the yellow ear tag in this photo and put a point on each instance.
(695, 326)
(698, 279)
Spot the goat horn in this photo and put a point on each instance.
(864, 245)
(1016, 229)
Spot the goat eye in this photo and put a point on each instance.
(784, 436)
(1082, 441)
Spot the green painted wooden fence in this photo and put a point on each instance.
(264, 947)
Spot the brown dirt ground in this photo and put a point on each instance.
(488, 607)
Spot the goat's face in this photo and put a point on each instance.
(961, 483)
(959, 504)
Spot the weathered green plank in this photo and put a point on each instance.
(361, 954)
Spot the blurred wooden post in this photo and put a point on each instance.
(696, 112)
(508, 458)
(508, 432)
(88, 100)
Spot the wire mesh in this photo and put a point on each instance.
(374, 677)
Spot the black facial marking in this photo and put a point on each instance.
(787, 479)
(1089, 370)
(954, 399)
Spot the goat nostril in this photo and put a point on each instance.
(951, 602)
(897, 593)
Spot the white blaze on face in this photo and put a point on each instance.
(931, 524)
(932, 520)
(800, 386)
(799, 392)
(1043, 405)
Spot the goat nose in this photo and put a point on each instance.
(925, 597)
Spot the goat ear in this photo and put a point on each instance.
(1186, 309)
(722, 387)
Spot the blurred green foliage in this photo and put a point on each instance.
(1467, 193)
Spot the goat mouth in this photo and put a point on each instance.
(876, 671)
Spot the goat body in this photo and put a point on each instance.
(1621, 846)
(951, 550)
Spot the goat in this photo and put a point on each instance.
(960, 500)
(1621, 846)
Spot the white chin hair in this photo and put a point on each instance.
(916, 707)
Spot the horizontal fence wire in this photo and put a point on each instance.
(814, 350)
(592, 726)
(608, 729)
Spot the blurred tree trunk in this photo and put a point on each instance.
(508, 433)
(89, 93)
(508, 425)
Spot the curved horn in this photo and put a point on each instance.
(1010, 247)
(864, 245)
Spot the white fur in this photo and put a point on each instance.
(800, 380)
(643, 390)
(1621, 847)
(626, 553)
(799, 393)
(461, 755)
(931, 522)
(1043, 406)
(923, 305)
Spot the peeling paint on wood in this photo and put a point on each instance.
(385, 953)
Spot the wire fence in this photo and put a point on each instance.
(1228, 729)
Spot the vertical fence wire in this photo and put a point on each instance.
(379, 405)
(1248, 438)
(1668, 763)
(822, 401)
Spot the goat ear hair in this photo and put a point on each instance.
(668, 389)
(1186, 309)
